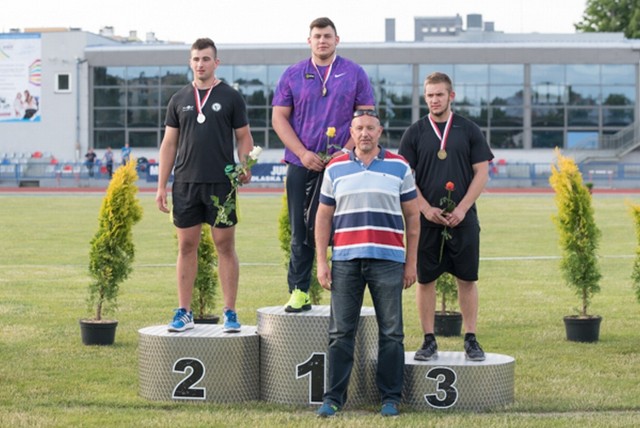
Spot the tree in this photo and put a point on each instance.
(611, 16)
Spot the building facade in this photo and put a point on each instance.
(528, 93)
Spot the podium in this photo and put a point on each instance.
(200, 364)
(451, 382)
(284, 359)
(294, 356)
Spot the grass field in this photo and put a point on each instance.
(49, 378)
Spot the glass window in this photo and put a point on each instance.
(506, 139)
(166, 92)
(177, 76)
(582, 140)
(395, 117)
(582, 117)
(274, 140)
(253, 95)
(225, 73)
(583, 74)
(548, 93)
(108, 76)
(113, 97)
(584, 95)
(471, 95)
(617, 116)
(143, 138)
(395, 74)
(618, 95)
(506, 95)
(257, 117)
(143, 97)
(547, 74)
(476, 114)
(143, 76)
(506, 116)
(250, 74)
(104, 139)
(108, 118)
(470, 73)
(505, 74)
(143, 117)
(372, 72)
(259, 138)
(547, 139)
(618, 74)
(547, 116)
(274, 72)
(390, 138)
(425, 70)
(395, 95)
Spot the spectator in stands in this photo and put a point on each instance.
(126, 153)
(108, 161)
(90, 161)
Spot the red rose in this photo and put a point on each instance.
(450, 186)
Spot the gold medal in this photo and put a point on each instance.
(324, 91)
(442, 154)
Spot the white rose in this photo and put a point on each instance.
(255, 153)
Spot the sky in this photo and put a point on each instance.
(281, 21)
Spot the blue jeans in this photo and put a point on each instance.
(302, 255)
(385, 281)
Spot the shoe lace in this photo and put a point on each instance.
(231, 316)
(181, 315)
(473, 345)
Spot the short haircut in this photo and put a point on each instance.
(322, 23)
(205, 43)
(438, 77)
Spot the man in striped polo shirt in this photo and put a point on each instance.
(367, 198)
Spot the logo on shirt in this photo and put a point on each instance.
(309, 76)
(339, 75)
(216, 107)
(188, 108)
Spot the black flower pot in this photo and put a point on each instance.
(448, 324)
(98, 332)
(207, 319)
(582, 329)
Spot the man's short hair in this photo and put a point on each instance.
(205, 43)
(322, 23)
(438, 77)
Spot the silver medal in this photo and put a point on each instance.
(201, 118)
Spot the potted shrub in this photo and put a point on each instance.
(635, 275)
(111, 255)
(447, 322)
(205, 287)
(579, 238)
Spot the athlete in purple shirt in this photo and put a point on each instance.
(313, 95)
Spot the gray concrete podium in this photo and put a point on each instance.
(200, 364)
(452, 382)
(294, 358)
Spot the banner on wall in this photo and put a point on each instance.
(20, 77)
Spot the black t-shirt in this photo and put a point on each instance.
(465, 147)
(205, 149)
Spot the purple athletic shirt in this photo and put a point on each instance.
(300, 87)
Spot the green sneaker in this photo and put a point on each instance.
(298, 302)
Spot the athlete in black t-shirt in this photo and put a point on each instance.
(202, 119)
(447, 151)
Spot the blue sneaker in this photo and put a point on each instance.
(182, 320)
(231, 324)
(327, 410)
(389, 409)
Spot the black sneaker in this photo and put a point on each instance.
(473, 350)
(428, 351)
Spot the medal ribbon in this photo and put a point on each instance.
(442, 137)
(327, 73)
(200, 105)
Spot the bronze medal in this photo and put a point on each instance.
(442, 154)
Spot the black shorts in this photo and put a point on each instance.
(460, 256)
(192, 204)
